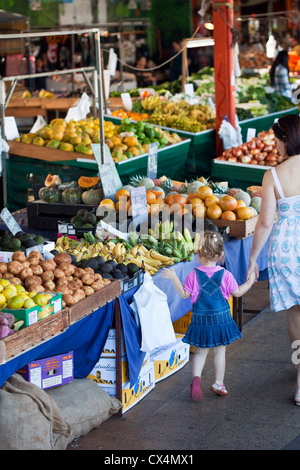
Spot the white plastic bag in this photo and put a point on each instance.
(231, 137)
(154, 314)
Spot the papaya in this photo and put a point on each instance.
(134, 151)
(88, 181)
(86, 129)
(86, 140)
(59, 121)
(45, 132)
(52, 180)
(117, 154)
(38, 141)
(83, 149)
(130, 141)
(75, 140)
(56, 134)
(66, 146)
(26, 139)
(68, 136)
(53, 144)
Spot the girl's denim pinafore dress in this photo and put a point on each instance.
(212, 323)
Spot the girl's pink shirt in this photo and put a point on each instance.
(191, 284)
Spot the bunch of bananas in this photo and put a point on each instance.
(150, 102)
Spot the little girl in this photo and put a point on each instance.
(212, 325)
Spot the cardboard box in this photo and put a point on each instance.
(105, 371)
(109, 348)
(34, 314)
(49, 372)
(44, 249)
(170, 358)
(133, 395)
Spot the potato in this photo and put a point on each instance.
(48, 265)
(14, 267)
(18, 256)
(62, 258)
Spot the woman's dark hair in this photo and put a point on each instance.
(282, 58)
(287, 129)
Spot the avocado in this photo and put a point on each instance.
(20, 234)
(6, 238)
(73, 258)
(82, 212)
(39, 240)
(112, 263)
(116, 274)
(106, 276)
(29, 243)
(90, 218)
(91, 263)
(88, 226)
(99, 260)
(106, 268)
(77, 221)
(54, 252)
(122, 267)
(132, 268)
(14, 244)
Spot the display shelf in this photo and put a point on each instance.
(240, 175)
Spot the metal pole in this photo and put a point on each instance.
(100, 97)
(3, 153)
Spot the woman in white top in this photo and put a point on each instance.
(281, 192)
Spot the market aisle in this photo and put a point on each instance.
(258, 413)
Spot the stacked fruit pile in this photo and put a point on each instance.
(86, 190)
(260, 150)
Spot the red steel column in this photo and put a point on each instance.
(223, 18)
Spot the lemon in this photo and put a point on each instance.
(24, 295)
(1, 288)
(16, 302)
(40, 299)
(31, 294)
(29, 303)
(4, 282)
(20, 288)
(9, 292)
(2, 300)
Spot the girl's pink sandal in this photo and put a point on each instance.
(196, 392)
(219, 389)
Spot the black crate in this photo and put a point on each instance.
(136, 280)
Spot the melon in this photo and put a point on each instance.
(256, 203)
(233, 191)
(253, 210)
(194, 186)
(244, 196)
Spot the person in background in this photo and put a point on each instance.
(40, 82)
(279, 75)
(144, 78)
(212, 326)
(294, 43)
(281, 192)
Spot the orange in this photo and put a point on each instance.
(239, 203)
(107, 202)
(228, 203)
(244, 213)
(151, 197)
(123, 193)
(122, 205)
(199, 211)
(204, 191)
(190, 197)
(214, 211)
(228, 215)
(209, 200)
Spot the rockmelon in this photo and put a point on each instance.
(147, 182)
(244, 196)
(256, 203)
(194, 186)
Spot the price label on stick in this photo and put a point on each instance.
(107, 181)
(139, 205)
(152, 160)
(10, 221)
(250, 133)
(127, 101)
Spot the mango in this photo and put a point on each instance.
(86, 140)
(26, 94)
(58, 121)
(45, 132)
(75, 140)
(26, 139)
(56, 135)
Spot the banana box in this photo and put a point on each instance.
(105, 371)
(170, 358)
(143, 385)
(109, 348)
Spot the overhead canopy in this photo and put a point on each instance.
(10, 22)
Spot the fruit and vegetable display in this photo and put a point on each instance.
(260, 150)
(25, 281)
(86, 190)
(254, 60)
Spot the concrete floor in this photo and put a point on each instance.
(258, 413)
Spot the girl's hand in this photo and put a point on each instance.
(252, 268)
(168, 273)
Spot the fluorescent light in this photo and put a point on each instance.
(209, 26)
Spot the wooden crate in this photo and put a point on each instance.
(44, 153)
(93, 302)
(33, 335)
(238, 228)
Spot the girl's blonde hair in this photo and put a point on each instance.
(211, 246)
